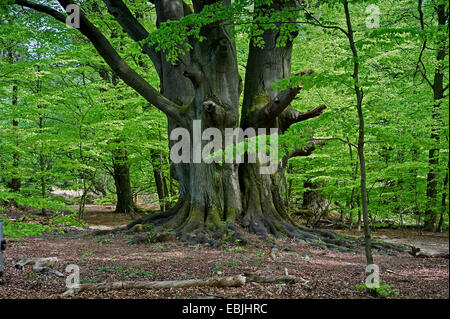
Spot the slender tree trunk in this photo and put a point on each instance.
(121, 168)
(443, 203)
(15, 183)
(354, 177)
(43, 169)
(362, 162)
(160, 181)
(288, 188)
(42, 157)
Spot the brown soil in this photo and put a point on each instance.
(331, 274)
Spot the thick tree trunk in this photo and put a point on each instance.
(214, 198)
(209, 193)
(121, 174)
(264, 208)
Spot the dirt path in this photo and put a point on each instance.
(103, 217)
(427, 242)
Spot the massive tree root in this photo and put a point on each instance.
(199, 231)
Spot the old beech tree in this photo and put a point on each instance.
(205, 85)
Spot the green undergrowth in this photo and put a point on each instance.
(33, 228)
(381, 290)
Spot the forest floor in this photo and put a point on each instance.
(113, 257)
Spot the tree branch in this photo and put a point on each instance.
(133, 28)
(44, 9)
(420, 63)
(338, 139)
(113, 59)
(294, 116)
(306, 150)
(274, 108)
(303, 151)
(317, 23)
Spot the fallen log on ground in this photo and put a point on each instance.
(234, 281)
(41, 262)
(41, 265)
(417, 253)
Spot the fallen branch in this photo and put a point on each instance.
(41, 265)
(37, 262)
(417, 253)
(234, 281)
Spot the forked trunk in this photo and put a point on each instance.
(216, 197)
(202, 91)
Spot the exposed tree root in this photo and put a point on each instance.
(190, 225)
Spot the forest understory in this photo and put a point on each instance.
(325, 273)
